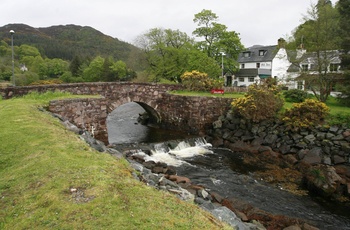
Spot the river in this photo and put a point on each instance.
(221, 170)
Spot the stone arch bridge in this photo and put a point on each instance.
(186, 113)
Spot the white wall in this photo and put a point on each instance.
(280, 65)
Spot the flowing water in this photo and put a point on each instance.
(221, 171)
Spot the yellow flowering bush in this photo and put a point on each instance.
(199, 81)
(305, 114)
(260, 103)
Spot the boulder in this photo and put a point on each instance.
(313, 157)
(178, 179)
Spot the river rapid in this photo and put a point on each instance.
(219, 170)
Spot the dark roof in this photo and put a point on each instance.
(253, 72)
(247, 72)
(269, 54)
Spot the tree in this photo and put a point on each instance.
(93, 72)
(52, 68)
(216, 39)
(343, 7)
(319, 34)
(75, 66)
(170, 53)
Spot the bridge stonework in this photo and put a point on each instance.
(185, 113)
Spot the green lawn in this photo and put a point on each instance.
(41, 163)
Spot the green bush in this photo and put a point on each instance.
(260, 103)
(306, 114)
(339, 119)
(198, 81)
(295, 95)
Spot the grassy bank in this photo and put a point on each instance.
(51, 179)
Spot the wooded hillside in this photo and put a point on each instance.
(66, 42)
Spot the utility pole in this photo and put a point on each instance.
(13, 59)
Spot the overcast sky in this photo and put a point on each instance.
(257, 22)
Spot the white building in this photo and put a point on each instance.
(260, 62)
(307, 65)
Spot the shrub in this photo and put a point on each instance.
(260, 103)
(295, 95)
(339, 119)
(198, 81)
(306, 114)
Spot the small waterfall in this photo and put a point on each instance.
(173, 152)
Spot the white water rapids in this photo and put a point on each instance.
(175, 157)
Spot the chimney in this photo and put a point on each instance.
(281, 43)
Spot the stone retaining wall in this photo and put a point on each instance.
(323, 151)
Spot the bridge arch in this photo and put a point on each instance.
(150, 107)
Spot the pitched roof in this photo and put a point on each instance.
(254, 54)
(332, 57)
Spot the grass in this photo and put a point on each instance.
(41, 162)
(206, 94)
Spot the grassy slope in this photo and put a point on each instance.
(40, 162)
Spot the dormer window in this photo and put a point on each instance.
(262, 52)
(334, 67)
(305, 67)
(246, 54)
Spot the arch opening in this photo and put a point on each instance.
(131, 123)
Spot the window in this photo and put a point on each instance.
(305, 67)
(246, 54)
(300, 85)
(333, 67)
(241, 79)
(242, 66)
(257, 65)
(262, 52)
(251, 79)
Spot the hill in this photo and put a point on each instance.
(68, 41)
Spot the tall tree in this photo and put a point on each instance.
(320, 34)
(169, 54)
(216, 39)
(343, 7)
(75, 66)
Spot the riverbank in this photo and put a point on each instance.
(311, 161)
(51, 179)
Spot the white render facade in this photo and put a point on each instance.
(261, 62)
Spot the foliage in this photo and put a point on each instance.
(169, 53)
(42, 163)
(52, 68)
(306, 114)
(67, 41)
(343, 7)
(198, 81)
(320, 34)
(260, 103)
(295, 95)
(339, 119)
(216, 40)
